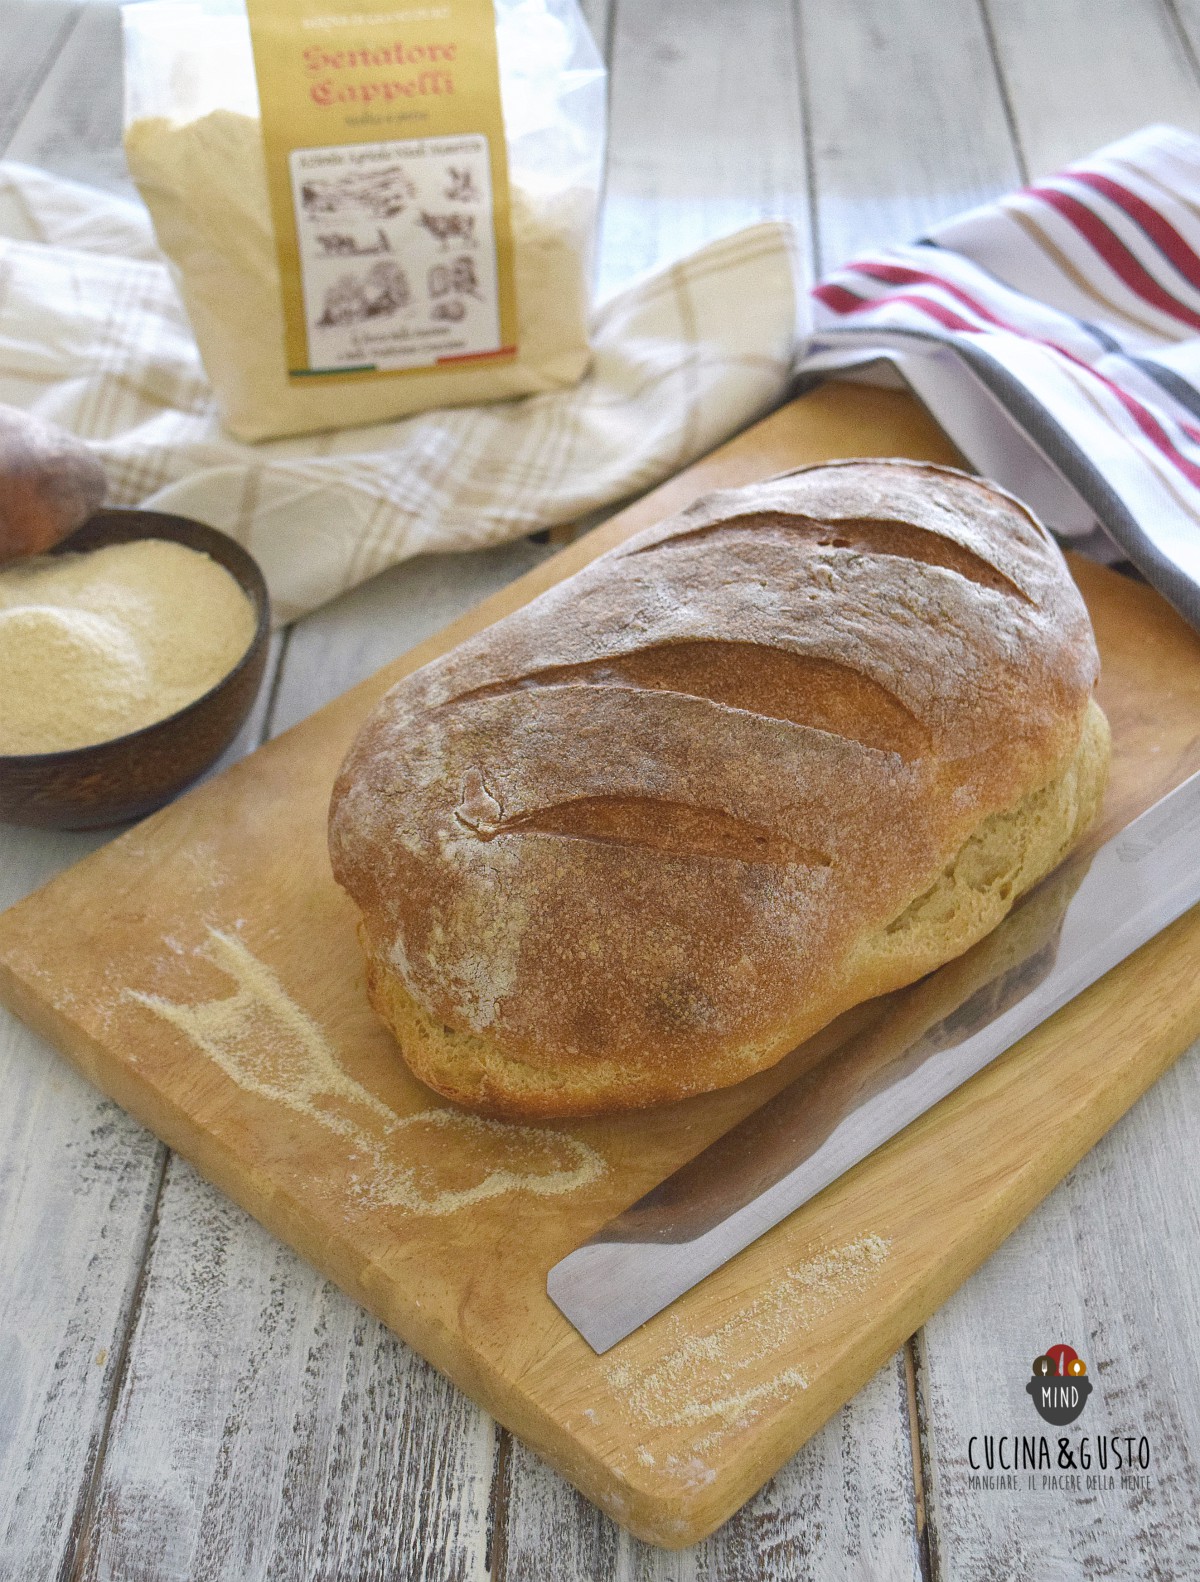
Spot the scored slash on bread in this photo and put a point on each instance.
(793, 748)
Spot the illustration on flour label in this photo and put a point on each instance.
(360, 207)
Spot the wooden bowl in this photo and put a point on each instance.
(115, 781)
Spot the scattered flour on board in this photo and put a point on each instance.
(718, 1379)
(270, 1047)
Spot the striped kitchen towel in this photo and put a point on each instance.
(1055, 336)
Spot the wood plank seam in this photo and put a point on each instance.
(604, 43)
(914, 1433)
(75, 1554)
(929, 1540)
(21, 108)
(602, 36)
(496, 1552)
(1184, 38)
(1010, 116)
(819, 261)
(272, 683)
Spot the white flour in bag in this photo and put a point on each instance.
(194, 145)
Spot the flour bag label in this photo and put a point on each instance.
(388, 177)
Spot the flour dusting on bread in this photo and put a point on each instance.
(788, 750)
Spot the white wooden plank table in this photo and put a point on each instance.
(180, 1397)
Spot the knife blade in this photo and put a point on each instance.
(1075, 926)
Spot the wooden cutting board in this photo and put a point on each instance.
(203, 970)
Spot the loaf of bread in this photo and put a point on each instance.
(793, 748)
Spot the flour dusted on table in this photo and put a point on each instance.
(412, 276)
(428, 1162)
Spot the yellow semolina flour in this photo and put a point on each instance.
(95, 645)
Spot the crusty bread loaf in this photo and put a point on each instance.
(794, 747)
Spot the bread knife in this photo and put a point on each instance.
(926, 1041)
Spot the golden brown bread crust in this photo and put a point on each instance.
(792, 748)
